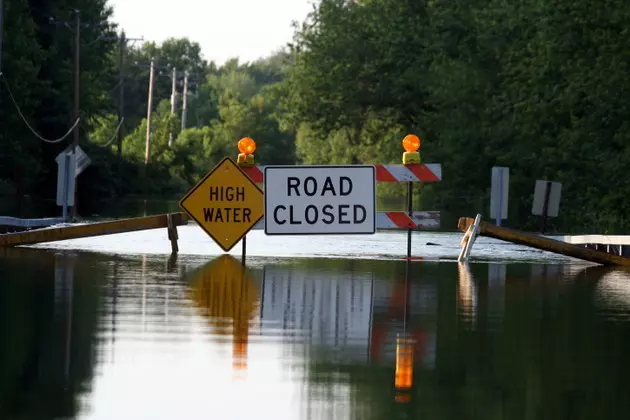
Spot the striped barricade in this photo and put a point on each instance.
(422, 172)
(389, 220)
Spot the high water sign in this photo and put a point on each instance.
(226, 203)
(320, 200)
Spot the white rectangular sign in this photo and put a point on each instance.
(82, 160)
(66, 179)
(320, 200)
(500, 186)
(540, 193)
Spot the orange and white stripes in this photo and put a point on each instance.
(422, 172)
(388, 220)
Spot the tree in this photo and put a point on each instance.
(20, 150)
(179, 53)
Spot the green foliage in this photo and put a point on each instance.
(21, 58)
(539, 87)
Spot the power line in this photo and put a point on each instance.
(75, 25)
(113, 137)
(17, 107)
(115, 87)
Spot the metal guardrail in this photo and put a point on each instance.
(29, 223)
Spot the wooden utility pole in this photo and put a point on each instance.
(121, 91)
(173, 99)
(121, 87)
(184, 100)
(1, 30)
(147, 150)
(77, 79)
(77, 85)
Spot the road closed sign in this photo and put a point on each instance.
(320, 200)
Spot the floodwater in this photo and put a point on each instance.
(311, 328)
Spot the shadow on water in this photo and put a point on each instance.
(309, 338)
(48, 329)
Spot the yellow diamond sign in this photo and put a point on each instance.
(226, 203)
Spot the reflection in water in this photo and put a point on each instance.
(497, 275)
(48, 326)
(332, 309)
(613, 294)
(467, 295)
(64, 285)
(228, 295)
(95, 336)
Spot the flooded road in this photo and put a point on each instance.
(193, 241)
(143, 336)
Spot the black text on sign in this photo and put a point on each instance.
(320, 200)
(233, 212)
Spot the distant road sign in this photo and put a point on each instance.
(226, 203)
(320, 200)
(82, 159)
(547, 190)
(66, 179)
(500, 186)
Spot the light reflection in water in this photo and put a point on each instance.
(497, 275)
(613, 294)
(64, 285)
(312, 339)
(467, 295)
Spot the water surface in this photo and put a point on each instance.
(112, 335)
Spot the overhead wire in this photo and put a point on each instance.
(111, 140)
(35, 133)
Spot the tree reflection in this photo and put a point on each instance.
(521, 342)
(48, 323)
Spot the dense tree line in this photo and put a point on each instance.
(535, 86)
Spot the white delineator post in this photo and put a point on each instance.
(469, 239)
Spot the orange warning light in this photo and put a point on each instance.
(247, 146)
(411, 143)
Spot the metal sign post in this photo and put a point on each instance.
(70, 164)
(66, 180)
(499, 193)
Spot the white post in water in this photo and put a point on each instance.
(469, 239)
